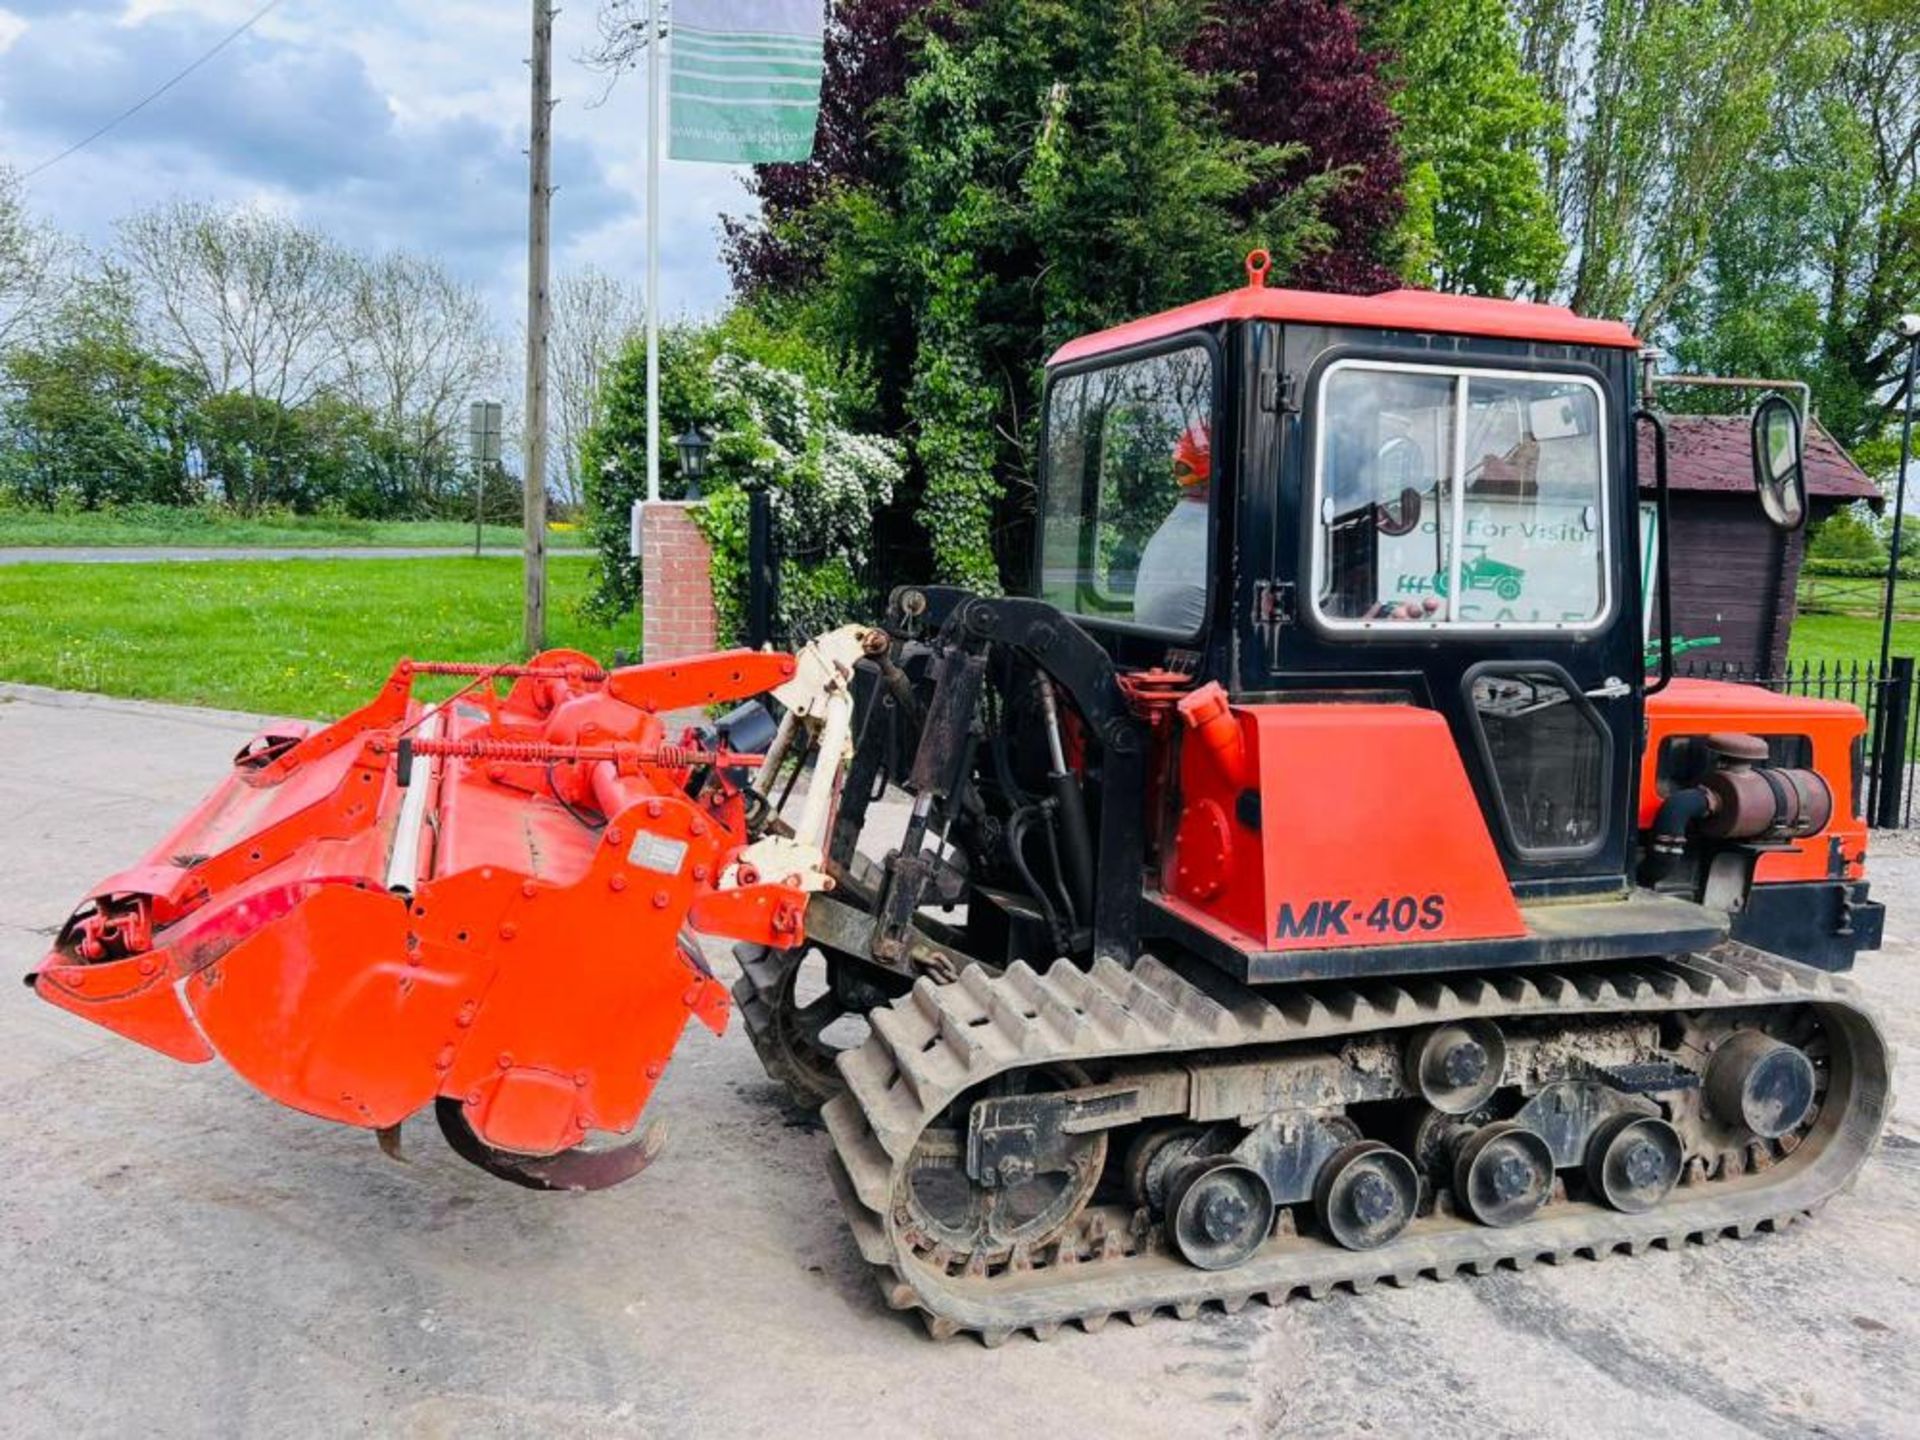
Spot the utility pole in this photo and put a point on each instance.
(653, 250)
(539, 243)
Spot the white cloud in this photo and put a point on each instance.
(394, 125)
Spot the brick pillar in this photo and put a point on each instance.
(676, 583)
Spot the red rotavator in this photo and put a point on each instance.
(483, 903)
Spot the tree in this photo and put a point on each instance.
(594, 316)
(327, 454)
(1848, 534)
(31, 258)
(1667, 106)
(249, 304)
(330, 378)
(90, 417)
(1297, 75)
(1864, 176)
(1474, 126)
(417, 348)
(1812, 262)
(1291, 75)
(247, 300)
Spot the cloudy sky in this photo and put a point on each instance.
(392, 123)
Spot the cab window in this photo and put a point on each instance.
(1128, 491)
(1459, 498)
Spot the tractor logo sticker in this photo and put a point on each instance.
(1480, 571)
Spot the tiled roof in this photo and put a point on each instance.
(1714, 453)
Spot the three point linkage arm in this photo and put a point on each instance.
(977, 656)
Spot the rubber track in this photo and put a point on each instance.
(753, 998)
(934, 1044)
(755, 994)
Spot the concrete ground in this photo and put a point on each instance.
(181, 1256)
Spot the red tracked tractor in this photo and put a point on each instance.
(1307, 884)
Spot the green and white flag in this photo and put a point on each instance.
(745, 80)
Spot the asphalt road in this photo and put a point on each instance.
(178, 1255)
(130, 554)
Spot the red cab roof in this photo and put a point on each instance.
(1422, 311)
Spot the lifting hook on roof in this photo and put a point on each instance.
(1258, 263)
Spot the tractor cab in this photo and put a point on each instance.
(1417, 502)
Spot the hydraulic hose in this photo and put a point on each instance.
(1076, 838)
(1016, 842)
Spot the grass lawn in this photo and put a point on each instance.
(1839, 621)
(307, 638)
(313, 637)
(154, 525)
(1847, 638)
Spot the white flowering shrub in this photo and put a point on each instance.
(775, 406)
(776, 428)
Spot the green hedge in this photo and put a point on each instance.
(1857, 569)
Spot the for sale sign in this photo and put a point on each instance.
(1522, 561)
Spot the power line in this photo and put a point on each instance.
(141, 104)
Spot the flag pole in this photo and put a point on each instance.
(653, 249)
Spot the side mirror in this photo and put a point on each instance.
(1778, 474)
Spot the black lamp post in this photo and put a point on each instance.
(1909, 328)
(763, 575)
(693, 447)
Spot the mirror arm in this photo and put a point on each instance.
(1662, 541)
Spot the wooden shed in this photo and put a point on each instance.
(1734, 575)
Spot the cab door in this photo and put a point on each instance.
(1450, 528)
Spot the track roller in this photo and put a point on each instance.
(1634, 1161)
(1220, 1211)
(1456, 1067)
(1503, 1174)
(1366, 1195)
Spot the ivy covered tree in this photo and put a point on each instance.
(1048, 168)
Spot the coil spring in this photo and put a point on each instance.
(469, 669)
(667, 755)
